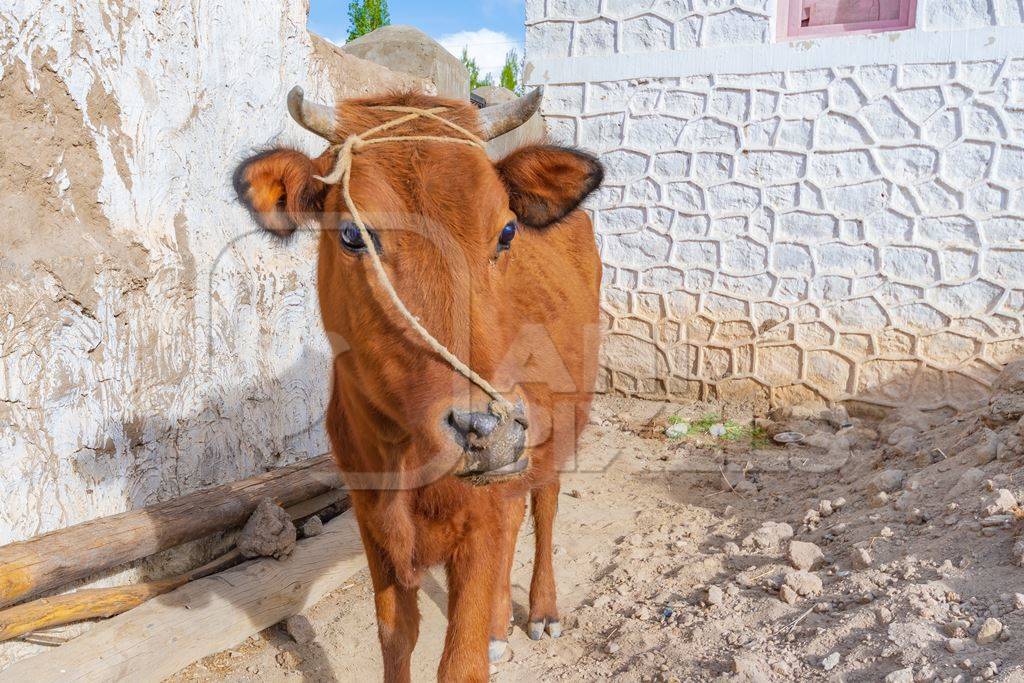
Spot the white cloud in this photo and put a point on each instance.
(487, 47)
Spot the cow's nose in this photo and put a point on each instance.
(472, 426)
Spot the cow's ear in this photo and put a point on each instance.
(545, 183)
(278, 188)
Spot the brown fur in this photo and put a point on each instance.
(526, 319)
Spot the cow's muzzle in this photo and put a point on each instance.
(492, 448)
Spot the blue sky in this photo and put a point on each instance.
(489, 28)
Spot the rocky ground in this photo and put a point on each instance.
(868, 550)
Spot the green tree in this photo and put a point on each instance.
(510, 72)
(474, 71)
(365, 16)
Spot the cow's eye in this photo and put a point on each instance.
(508, 233)
(351, 238)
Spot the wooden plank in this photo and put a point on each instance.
(163, 636)
(97, 603)
(46, 562)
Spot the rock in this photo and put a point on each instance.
(985, 446)
(804, 583)
(830, 662)
(300, 629)
(825, 508)
(268, 533)
(861, 558)
(886, 481)
(314, 526)
(1003, 503)
(1018, 601)
(1006, 407)
(990, 631)
(805, 556)
(901, 676)
(956, 645)
(879, 499)
(838, 503)
(1010, 379)
(715, 596)
(677, 430)
(788, 595)
(409, 50)
(769, 535)
(612, 647)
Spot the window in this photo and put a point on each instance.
(820, 18)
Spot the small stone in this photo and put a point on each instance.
(314, 526)
(788, 595)
(1018, 600)
(838, 503)
(300, 629)
(990, 631)
(887, 481)
(901, 676)
(861, 558)
(879, 499)
(956, 645)
(677, 430)
(1003, 503)
(830, 662)
(769, 535)
(805, 556)
(825, 508)
(268, 533)
(804, 583)
(715, 596)
(611, 647)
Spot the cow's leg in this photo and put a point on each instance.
(543, 609)
(501, 610)
(472, 575)
(398, 615)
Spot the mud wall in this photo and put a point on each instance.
(151, 343)
(829, 219)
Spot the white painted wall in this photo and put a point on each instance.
(832, 219)
(151, 343)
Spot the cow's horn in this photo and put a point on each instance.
(316, 118)
(501, 118)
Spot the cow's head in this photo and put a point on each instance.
(455, 232)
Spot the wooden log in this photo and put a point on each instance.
(97, 603)
(163, 636)
(45, 562)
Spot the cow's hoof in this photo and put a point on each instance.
(496, 650)
(535, 629)
(554, 629)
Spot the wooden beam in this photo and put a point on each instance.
(163, 636)
(46, 562)
(98, 603)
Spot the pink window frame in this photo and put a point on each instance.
(790, 12)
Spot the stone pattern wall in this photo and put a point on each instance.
(849, 233)
(953, 15)
(151, 341)
(573, 28)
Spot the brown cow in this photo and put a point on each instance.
(497, 262)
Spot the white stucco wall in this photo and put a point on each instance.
(151, 342)
(832, 219)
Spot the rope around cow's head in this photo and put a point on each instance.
(342, 173)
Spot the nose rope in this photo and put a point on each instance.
(342, 173)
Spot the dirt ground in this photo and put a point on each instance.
(677, 558)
